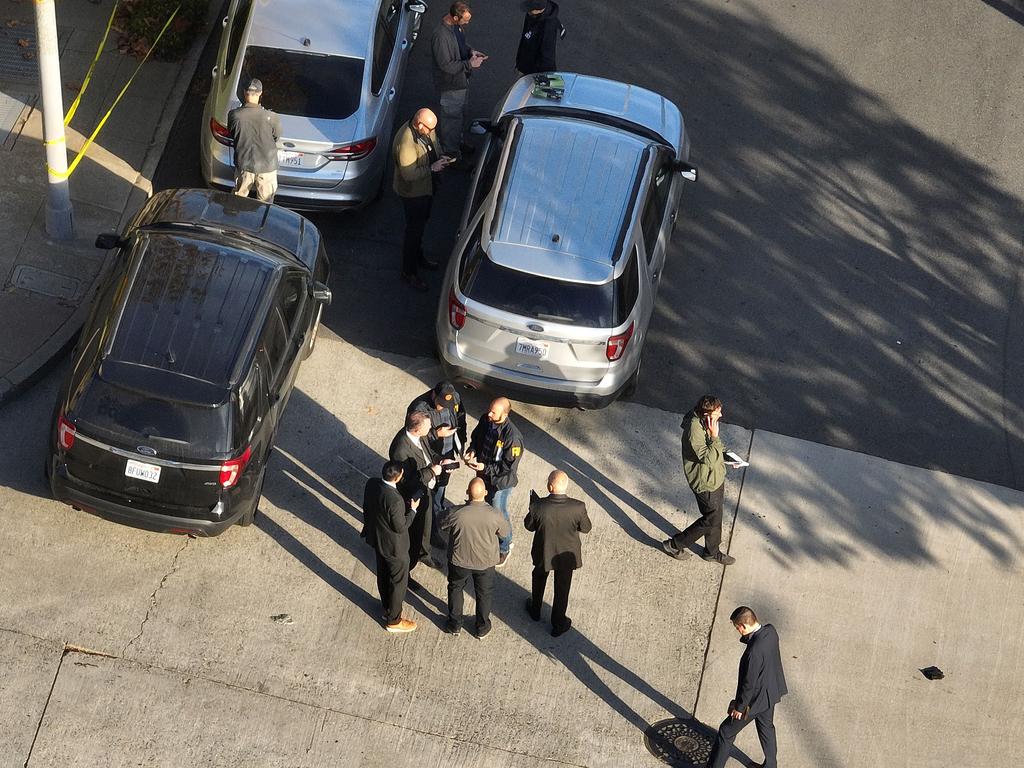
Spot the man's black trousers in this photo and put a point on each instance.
(417, 211)
(709, 525)
(419, 532)
(392, 581)
(483, 587)
(729, 729)
(560, 600)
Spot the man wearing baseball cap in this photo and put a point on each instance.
(255, 131)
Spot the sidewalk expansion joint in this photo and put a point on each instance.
(46, 705)
(721, 582)
(152, 598)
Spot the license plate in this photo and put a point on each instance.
(531, 348)
(293, 159)
(142, 471)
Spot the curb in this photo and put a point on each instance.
(50, 352)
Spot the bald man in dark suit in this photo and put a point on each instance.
(760, 686)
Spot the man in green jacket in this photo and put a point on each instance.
(417, 159)
(704, 467)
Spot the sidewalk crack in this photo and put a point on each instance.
(152, 598)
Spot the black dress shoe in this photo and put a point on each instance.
(415, 281)
(529, 610)
(559, 631)
(452, 628)
(428, 263)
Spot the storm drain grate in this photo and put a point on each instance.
(18, 62)
(14, 111)
(681, 743)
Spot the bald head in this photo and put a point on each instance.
(558, 482)
(476, 491)
(424, 121)
(499, 411)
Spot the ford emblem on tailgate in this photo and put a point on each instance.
(145, 450)
(536, 327)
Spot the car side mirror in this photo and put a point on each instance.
(321, 293)
(109, 240)
(480, 127)
(416, 7)
(686, 170)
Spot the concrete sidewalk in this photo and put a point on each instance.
(47, 285)
(264, 646)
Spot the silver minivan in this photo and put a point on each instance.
(332, 71)
(550, 288)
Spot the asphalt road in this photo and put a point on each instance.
(848, 269)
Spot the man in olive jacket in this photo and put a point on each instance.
(557, 522)
(417, 159)
(704, 467)
(474, 530)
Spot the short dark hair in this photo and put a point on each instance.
(744, 616)
(392, 471)
(707, 404)
(458, 9)
(415, 419)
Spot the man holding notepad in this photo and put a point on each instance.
(704, 460)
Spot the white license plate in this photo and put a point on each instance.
(139, 469)
(531, 348)
(293, 159)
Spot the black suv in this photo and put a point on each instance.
(186, 363)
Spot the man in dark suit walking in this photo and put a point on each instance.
(421, 469)
(760, 687)
(386, 529)
(557, 522)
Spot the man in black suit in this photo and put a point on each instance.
(761, 685)
(421, 468)
(386, 529)
(557, 522)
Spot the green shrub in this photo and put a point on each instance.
(142, 20)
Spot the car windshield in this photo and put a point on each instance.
(543, 298)
(304, 84)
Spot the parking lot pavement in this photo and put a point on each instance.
(871, 571)
(264, 646)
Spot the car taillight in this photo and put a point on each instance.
(65, 433)
(616, 345)
(456, 311)
(355, 151)
(221, 133)
(232, 469)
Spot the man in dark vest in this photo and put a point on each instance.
(760, 687)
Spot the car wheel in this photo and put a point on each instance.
(634, 381)
(249, 516)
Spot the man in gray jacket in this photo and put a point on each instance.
(255, 131)
(454, 62)
(474, 530)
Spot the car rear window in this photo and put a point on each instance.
(543, 298)
(304, 84)
(128, 418)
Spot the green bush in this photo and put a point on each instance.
(142, 21)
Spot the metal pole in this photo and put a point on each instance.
(59, 219)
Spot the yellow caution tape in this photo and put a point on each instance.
(103, 120)
(88, 75)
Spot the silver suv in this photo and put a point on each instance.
(332, 71)
(550, 289)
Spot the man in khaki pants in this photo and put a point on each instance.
(417, 159)
(255, 131)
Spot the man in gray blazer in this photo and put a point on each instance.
(454, 62)
(557, 522)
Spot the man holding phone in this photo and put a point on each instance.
(704, 467)
(454, 62)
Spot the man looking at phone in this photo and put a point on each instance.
(417, 159)
(454, 62)
(704, 467)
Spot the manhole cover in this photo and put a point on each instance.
(683, 743)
